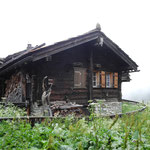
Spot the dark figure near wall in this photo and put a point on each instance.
(47, 88)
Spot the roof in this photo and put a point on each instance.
(42, 51)
(1, 61)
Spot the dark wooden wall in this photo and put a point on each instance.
(2, 88)
(60, 68)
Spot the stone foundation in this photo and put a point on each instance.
(107, 108)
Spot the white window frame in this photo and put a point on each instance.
(108, 84)
(95, 79)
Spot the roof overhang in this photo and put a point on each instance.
(41, 52)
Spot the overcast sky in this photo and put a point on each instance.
(126, 22)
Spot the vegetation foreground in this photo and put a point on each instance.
(128, 132)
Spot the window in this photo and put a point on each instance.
(109, 79)
(79, 77)
(105, 79)
(101, 79)
(94, 79)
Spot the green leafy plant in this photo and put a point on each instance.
(11, 111)
(70, 133)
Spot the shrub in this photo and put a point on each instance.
(11, 111)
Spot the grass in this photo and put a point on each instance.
(129, 107)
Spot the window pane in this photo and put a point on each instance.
(107, 80)
(94, 79)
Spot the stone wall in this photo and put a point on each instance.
(107, 108)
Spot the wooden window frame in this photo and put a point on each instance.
(75, 84)
(82, 79)
(95, 79)
(101, 79)
(107, 80)
(110, 83)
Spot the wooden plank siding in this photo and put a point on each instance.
(61, 69)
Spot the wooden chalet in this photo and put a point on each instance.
(89, 66)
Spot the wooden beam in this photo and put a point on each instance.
(90, 79)
(33, 91)
(120, 53)
(19, 63)
(54, 49)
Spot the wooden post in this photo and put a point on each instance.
(90, 79)
(2, 88)
(28, 110)
(33, 91)
(33, 88)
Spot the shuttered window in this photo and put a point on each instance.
(109, 79)
(79, 77)
(105, 79)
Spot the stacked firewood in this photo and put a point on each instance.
(57, 104)
(66, 112)
(12, 83)
(61, 108)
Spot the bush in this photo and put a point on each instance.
(11, 111)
